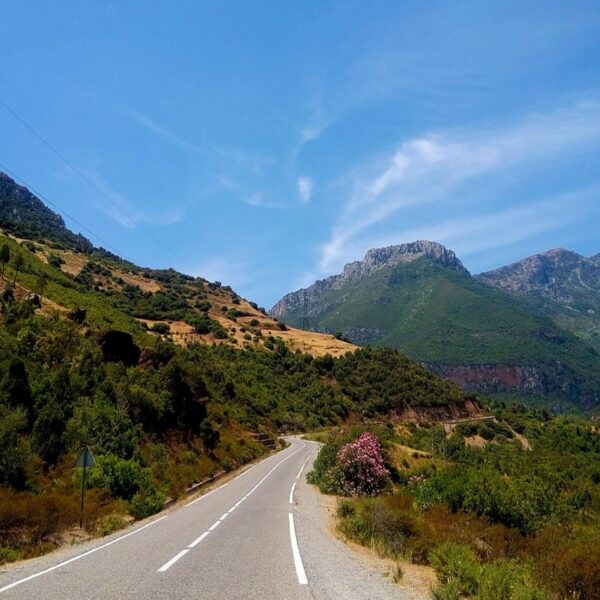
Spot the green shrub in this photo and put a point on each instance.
(147, 502)
(508, 580)
(456, 563)
(8, 555)
(161, 328)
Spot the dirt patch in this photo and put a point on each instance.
(147, 285)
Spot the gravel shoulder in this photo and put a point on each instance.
(341, 569)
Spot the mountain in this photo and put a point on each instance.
(26, 216)
(113, 291)
(561, 284)
(420, 299)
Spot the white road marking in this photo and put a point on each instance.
(300, 572)
(224, 516)
(206, 495)
(304, 464)
(174, 559)
(292, 493)
(198, 540)
(66, 562)
(217, 523)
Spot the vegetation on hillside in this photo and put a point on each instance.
(443, 316)
(176, 417)
(495, 522)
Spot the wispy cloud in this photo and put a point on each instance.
(165, 133)
(433, 168)
(305, 188)
(114, 204)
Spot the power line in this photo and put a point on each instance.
(83, 176)
(62, 212)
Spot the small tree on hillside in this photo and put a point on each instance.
(18, 265)
(4, 258)
(41, 284)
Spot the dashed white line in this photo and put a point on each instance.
(174, 559)
(300, 572)
(214, 525)
(66, 562)
(198, 540)
(292, 493)
(171, 562)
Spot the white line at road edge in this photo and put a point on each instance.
(300, 572)
(66, 562)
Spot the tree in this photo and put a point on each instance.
(18, 265)
(4, 258)
(41, 284)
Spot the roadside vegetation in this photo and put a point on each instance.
(494, 520)
(157, 417)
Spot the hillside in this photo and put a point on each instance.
(426, 304)
(166, 377)
(559, 283)
(114, 292)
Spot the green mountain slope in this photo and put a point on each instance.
(472, 333)
(559, 283)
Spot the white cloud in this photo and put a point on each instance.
(305, 189)
(431, 169)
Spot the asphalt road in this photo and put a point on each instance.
(260, 535)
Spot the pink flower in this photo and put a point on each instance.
(363, 466)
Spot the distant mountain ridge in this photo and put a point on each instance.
(562, 275)
(559, 283)
(482, 332)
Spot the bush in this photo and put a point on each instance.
(8, 555)
(147, 502)
(456, 564)
(508, 580)
(161, 328)
(362, 466)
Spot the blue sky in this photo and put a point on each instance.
(265, 144)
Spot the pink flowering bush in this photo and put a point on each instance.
(362, 465)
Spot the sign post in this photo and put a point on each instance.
(85, 460)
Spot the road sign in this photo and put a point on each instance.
(86, 459)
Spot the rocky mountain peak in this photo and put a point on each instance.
(560, 274)
(374, 259)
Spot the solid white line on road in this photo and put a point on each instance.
(206, 495)
(174, 559)
(66, 562)
(224, 516)
(217, 523)
(300, 572)
(292, 493)
(198, 540)
(304, 464)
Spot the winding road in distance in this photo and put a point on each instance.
(260, 535)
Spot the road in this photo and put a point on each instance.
(260, 535)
